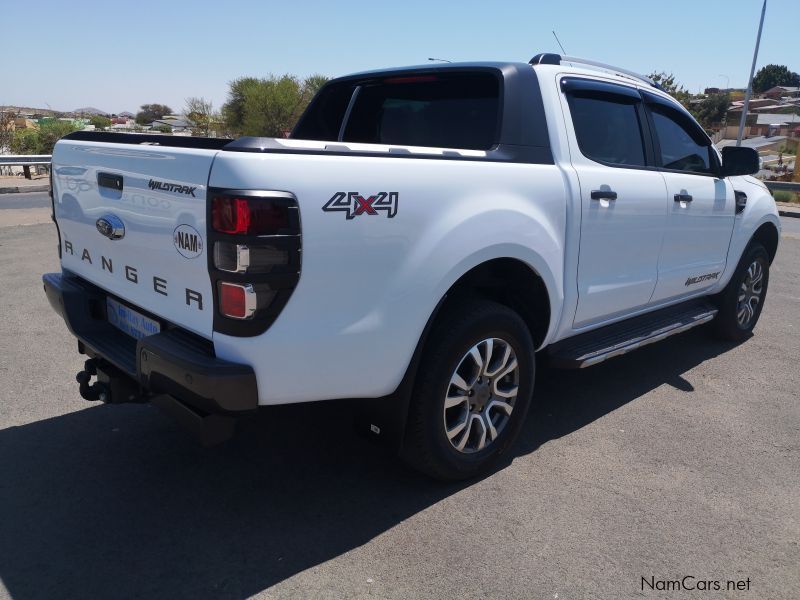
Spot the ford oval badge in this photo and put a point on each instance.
(111, 226)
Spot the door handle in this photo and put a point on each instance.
(603, 195)
(683, 197)
(110, 180)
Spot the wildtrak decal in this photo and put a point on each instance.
(171, 187)
(701, 278)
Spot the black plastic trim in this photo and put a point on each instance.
(593, 87)
(174, 362)
(174, 141)
(545, 58)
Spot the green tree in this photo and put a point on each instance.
(100, 122)
(711, 111)
(269, 106)
(41, 140)
(152, 112)
(772, 75)
(672, 87)
(200, 113)
(312, 85)
(6, 129)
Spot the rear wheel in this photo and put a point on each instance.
(742, 301)
(472, 391)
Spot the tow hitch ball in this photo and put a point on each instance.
(95, 391)
(112, 386)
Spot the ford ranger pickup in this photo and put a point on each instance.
(420, 238)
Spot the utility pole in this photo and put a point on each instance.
(750, 81)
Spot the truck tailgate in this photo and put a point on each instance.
(132, 220)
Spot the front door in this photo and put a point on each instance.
(623, 199)
(701, 205)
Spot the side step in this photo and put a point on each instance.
(593, 347)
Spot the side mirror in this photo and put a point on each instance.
(739, 161)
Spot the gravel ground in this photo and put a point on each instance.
(678, 460)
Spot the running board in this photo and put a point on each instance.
(593, 347)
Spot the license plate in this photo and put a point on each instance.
(134, 323)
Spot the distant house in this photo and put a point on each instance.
(759, 144)
(176, 124)
(782, 91)
(772, 124)
(764, 124)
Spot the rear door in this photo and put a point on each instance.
(701, 204)
(132, 220)
(623, 198)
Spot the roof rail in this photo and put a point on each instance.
(557, 59)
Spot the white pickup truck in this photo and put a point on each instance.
(423, 234)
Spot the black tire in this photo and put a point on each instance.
(427, 447)
(727, 324)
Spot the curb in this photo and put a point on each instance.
(24, 188)
(788, 210)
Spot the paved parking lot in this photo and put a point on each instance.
(679, 460)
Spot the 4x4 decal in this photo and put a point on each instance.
(355, 204)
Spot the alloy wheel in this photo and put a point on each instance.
(481, 395)
(750, 293)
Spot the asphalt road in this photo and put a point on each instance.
(25, 200)
(678, 460)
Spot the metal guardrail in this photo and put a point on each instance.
(21, 160)
(789, 186)
(26, 161)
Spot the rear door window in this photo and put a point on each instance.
(608, 129)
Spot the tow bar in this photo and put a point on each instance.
(111, 386)
(115, 387)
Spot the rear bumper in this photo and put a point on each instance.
(172, 362)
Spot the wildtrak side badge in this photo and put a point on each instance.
(701, 278)
(171, 187)
(355, 204)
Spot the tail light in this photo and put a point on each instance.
(237, 301)
(249, 216)
(254, 257)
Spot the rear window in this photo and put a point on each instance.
(459, 110)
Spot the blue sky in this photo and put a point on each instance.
(118, 55)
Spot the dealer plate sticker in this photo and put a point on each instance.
(129, 321)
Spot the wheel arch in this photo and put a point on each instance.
(767, 235)
(509, 281)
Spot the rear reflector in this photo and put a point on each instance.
(237, 301)
(248, 216)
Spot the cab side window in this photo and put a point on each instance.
(679, 146)
(608, 128)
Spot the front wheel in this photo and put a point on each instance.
(742, 300)
(472, 391)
